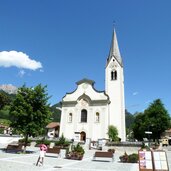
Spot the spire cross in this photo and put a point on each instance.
(114, 23)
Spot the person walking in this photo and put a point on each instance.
(43, 149)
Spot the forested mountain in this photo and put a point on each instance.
(129, 118)
(56, 112)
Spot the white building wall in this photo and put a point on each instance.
(93, 129)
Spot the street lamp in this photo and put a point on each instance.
(148, 133)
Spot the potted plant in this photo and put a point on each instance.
(124, 158)
(77, 153)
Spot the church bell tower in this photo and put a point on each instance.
(114, 87)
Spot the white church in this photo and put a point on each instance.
(87, 112)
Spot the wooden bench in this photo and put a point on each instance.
(103, 154)
(54, 150)
(14, 147)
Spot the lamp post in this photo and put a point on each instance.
(148, 133)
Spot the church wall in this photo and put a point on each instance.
(92, 128)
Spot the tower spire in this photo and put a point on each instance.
(114, 49)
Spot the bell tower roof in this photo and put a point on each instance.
(114, 50)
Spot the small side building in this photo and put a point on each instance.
(53, 129)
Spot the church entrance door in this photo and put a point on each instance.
(82, 136)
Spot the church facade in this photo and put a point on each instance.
(87, 113)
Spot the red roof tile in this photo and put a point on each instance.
(53, 125)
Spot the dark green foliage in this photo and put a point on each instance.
(5, 122)
(1, 130)
(133, 158)
(43, 141)
(155, 119)
(5, 102)
(139, 126)
(4, 99)
(30, 112)
(158, 118)
(62, 142)
(79, 149)
(4, 113)
(76, 153)
(23, 140)
(113, 133)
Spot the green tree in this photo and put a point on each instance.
(113, 133)
(155, 119)
(30, 112)
(4, 100)
(158, 118)
(139, 126)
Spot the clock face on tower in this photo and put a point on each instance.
(113, 65)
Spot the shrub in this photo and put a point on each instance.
(132, 158)
(62, 142)
(43, 141)
(1, 130)
(113, 133)
(23, 140)
(79, 149)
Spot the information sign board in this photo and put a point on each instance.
(145, 160)
(160, 161)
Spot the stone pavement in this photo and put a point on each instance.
(26, 162)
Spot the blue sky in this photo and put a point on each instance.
(62, 41)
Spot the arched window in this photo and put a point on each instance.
(84, 115)
(97, 117)
(114, 75)
(70, 117)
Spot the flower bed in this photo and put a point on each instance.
(77, 153)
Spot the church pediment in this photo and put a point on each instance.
(86, 91)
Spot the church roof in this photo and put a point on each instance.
(85, 80)
(114, 50)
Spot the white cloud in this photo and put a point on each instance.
(135, 93)
(21, 73)
(19, 60)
